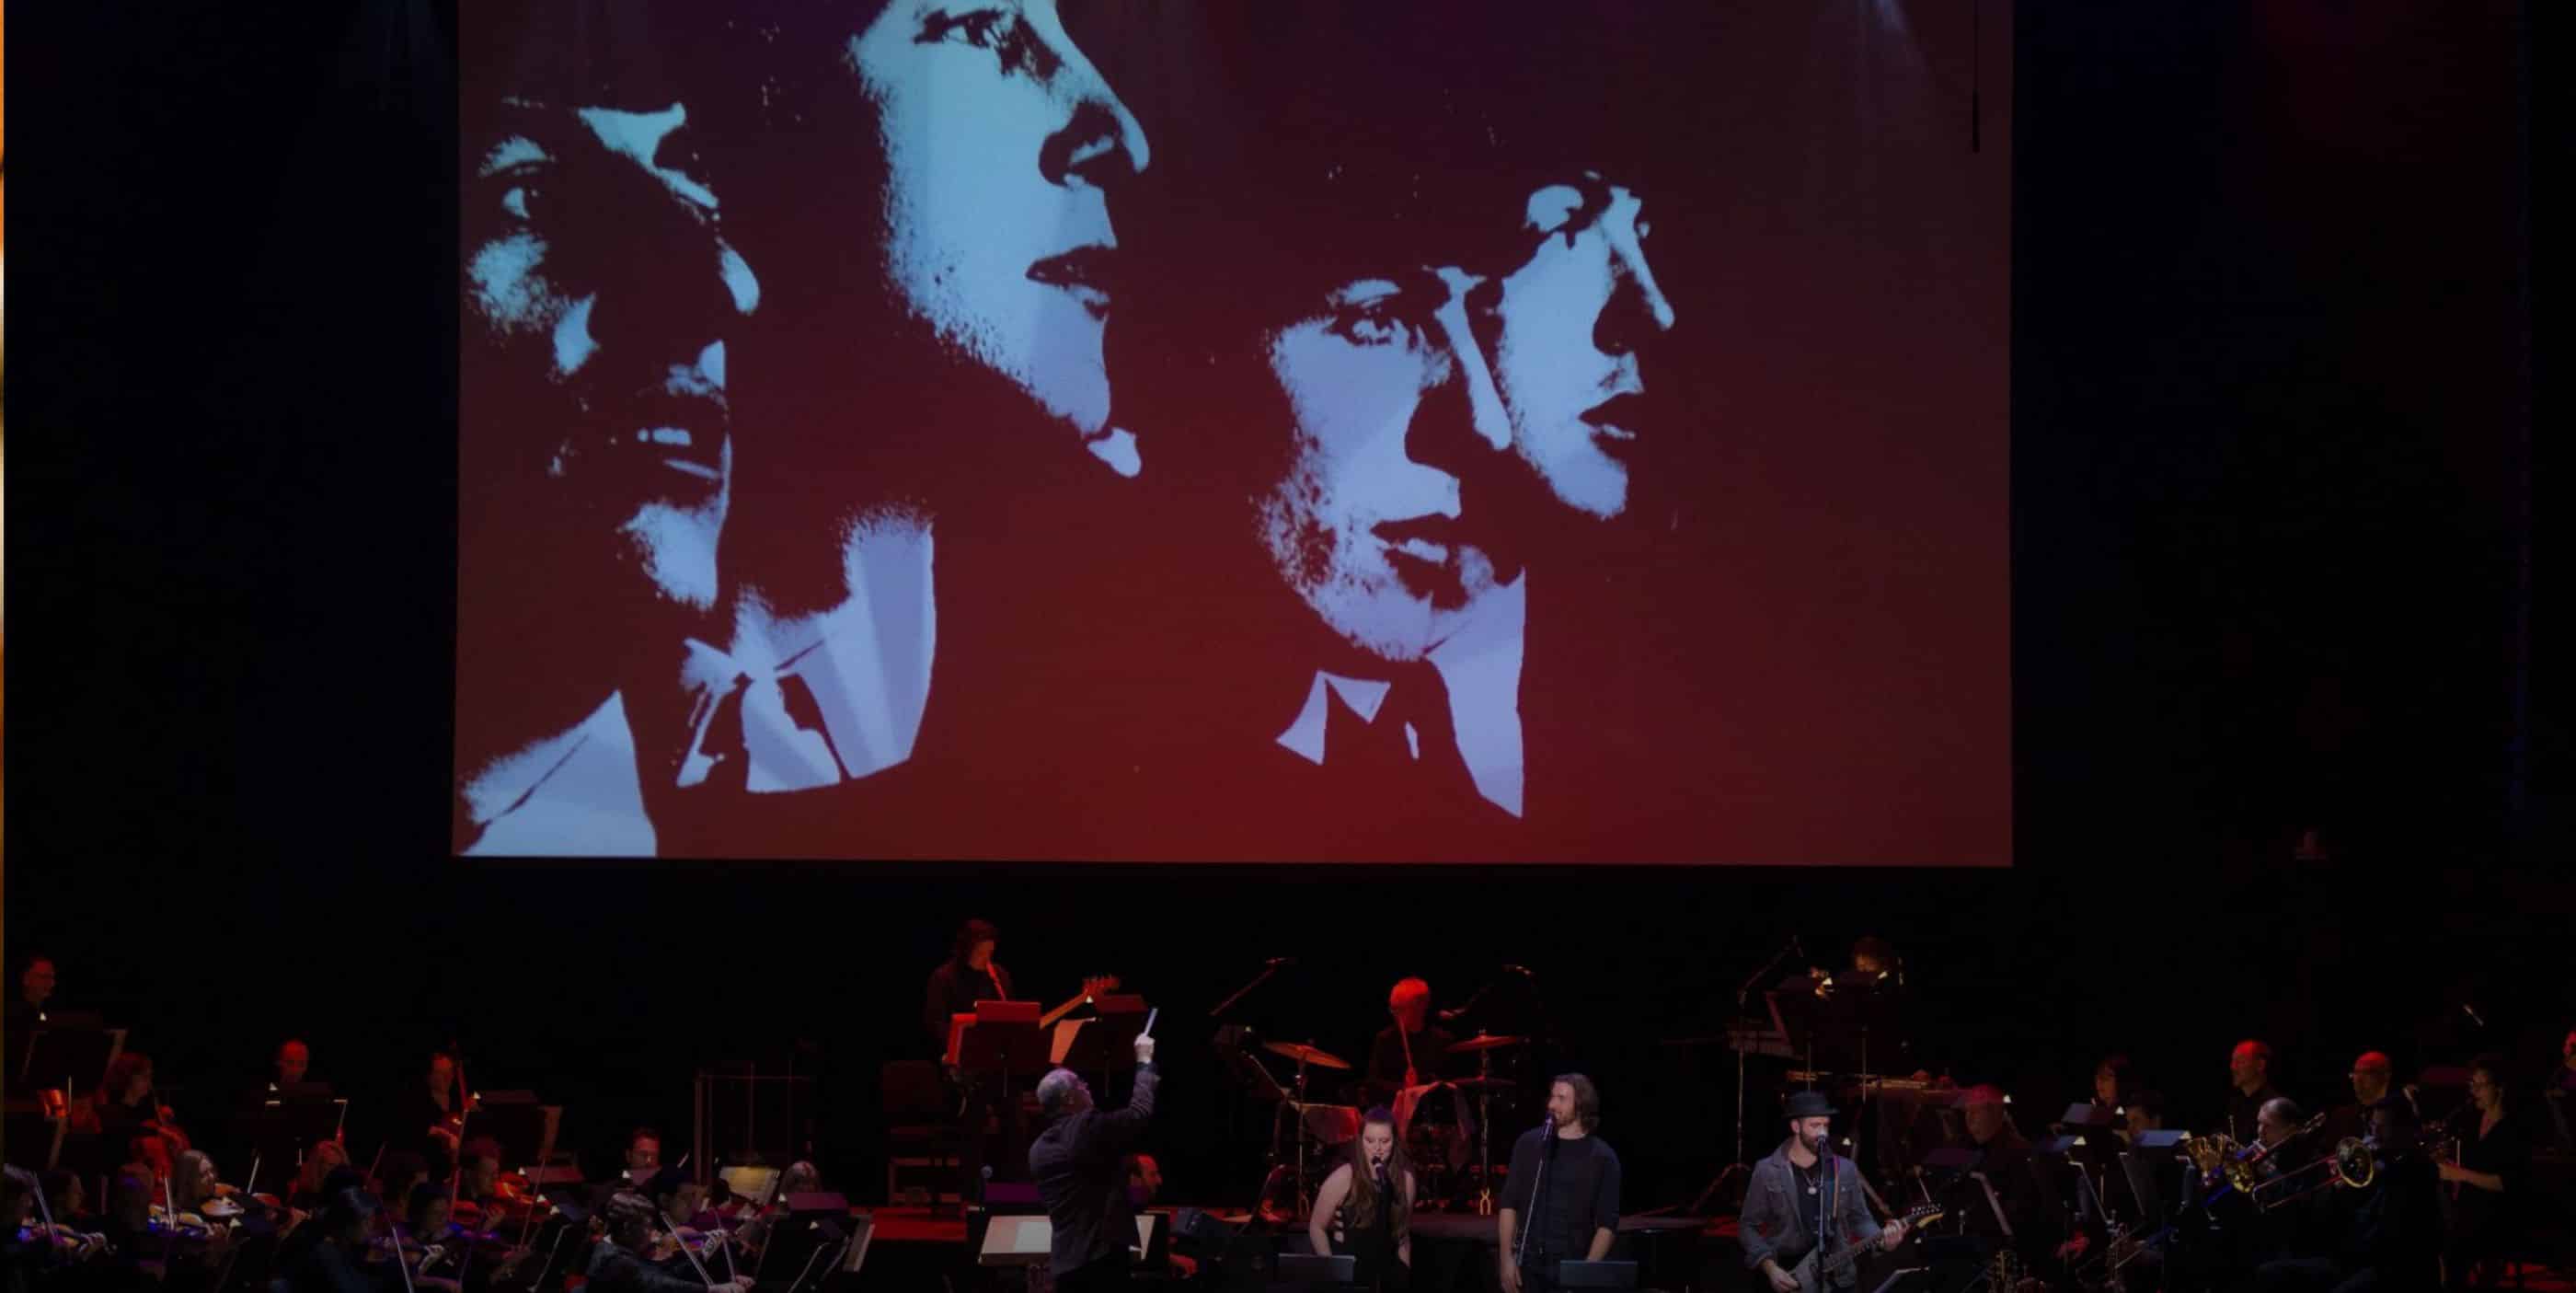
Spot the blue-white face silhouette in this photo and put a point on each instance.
(1391, 412)
(1565, 332)
(594, 267)
(1001, 140)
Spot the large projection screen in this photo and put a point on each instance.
(1233, 431)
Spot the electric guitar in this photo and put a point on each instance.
(1091, 987)
(1820, 1270)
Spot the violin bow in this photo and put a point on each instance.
(457, 1182)
(395, 1227)
(683, 1246)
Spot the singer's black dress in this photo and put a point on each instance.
(1373, 1245)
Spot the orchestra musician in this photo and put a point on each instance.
(289, 1065)
(1793, 1198)
(2378, 1108)
(27, 1006)
(401, 1171)
(427, 1245)
(425, 1113)
(2249, 1074)
(1079, 1163)
(617, 1265)
(127, 1109)
(968, 975)
(1561, 1201)
(312, 1188)
(1365, 1207)
(329, 1254)
(2033, 1219)
(1410, 1051)
(2488, 1182)
(643, 1156)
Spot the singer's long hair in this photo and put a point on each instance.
(1360, 1206)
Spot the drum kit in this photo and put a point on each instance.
(1436, 1121)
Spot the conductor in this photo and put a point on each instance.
(1079, 1162)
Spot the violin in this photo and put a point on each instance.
(78, 1245)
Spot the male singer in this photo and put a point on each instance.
(1564, 1191)
(1080, 1162)
(1792, 1194)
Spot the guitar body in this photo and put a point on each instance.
(1821, 1271)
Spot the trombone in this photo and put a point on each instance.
(2355, 1162)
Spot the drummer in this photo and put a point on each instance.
(1410, 1052)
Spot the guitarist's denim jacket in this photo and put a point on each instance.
(1769, 1226)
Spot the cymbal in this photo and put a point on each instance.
(1480, 1042)
(1305, 1054)
(1500, 1086)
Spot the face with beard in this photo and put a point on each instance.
(599, 292)
(1390, 412)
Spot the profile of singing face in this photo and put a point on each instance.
(1391, 413)
(1001, 142)
(600, 282)
(1565, 330)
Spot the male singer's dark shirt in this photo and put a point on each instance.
(1080, 1165)
(954, 990)
(1580, 1195)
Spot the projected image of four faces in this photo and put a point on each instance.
(1407, 413)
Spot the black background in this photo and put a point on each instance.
(2273, 523)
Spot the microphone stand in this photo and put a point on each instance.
(1538, 1198)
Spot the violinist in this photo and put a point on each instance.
(616, 1263)
(430, 1246)
(478, 1167)
(68, 1198)
(400, 1172)
(680, 1202)
(312, 1186)
(329, 1254)
(193, 1182)
(643, 1155)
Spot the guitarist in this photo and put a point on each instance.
(1804, 1192)
(966, 977)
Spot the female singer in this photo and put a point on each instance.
(1369, 1200)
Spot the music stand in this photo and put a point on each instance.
(1106, 1042)
(2140, 1178)
(72, 1058)
(28, 1127)
(295, 1118)
(524, 1129)
(1596, 1275)
(1317, 1272)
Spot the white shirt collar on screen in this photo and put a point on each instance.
(1480, 665)
(866, 663)
(574, 792)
